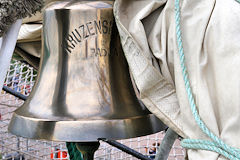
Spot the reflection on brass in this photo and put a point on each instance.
(83, 91)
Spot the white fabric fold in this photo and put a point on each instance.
(30, 32)
(29, 38)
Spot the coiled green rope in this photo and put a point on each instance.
(216, 145)
(73, 152)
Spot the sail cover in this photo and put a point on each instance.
(211, 36)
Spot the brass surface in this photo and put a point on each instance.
(83, 90)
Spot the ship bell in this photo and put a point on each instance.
(83, 90)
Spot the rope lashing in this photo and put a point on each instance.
(216, 145)
(73, 152)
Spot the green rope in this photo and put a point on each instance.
(73, 151)
(216, 145)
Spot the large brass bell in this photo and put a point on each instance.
(83, 91)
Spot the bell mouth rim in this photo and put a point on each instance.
(84, 130)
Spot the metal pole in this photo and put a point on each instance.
(15, 93)
(126, 149)
(166, 145)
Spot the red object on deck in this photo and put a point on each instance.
(58, 154)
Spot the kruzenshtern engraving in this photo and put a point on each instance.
(87, 30)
